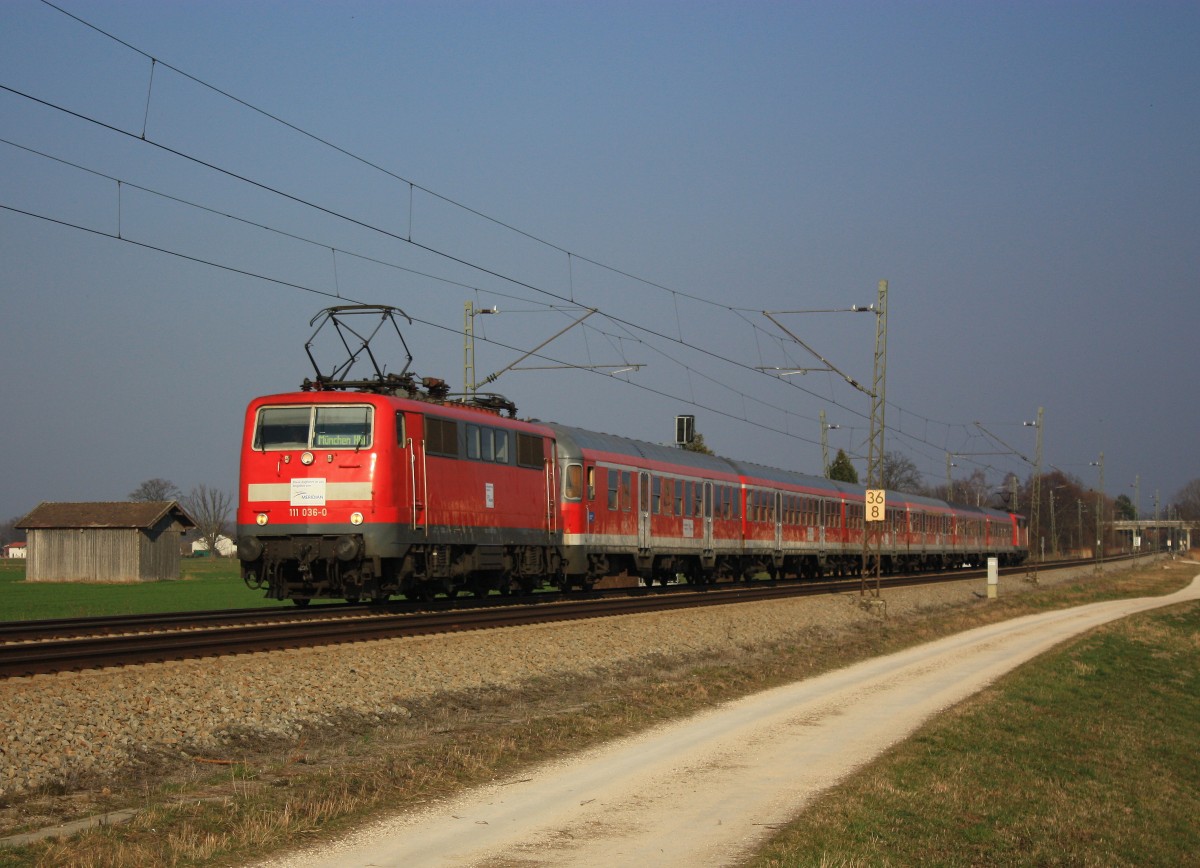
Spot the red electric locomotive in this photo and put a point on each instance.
(369, 488)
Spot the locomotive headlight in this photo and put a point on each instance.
(356, 518)
(306, 458)
(261, 519)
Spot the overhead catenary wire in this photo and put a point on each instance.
(569, 299)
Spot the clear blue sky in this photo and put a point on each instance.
(1026, 175)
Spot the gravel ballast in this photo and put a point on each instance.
(57, 730)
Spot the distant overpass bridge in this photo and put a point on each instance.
(1174, 536)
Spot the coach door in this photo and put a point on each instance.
(643, 508)
(778, 521)
(708, 516)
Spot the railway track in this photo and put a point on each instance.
(40, 647)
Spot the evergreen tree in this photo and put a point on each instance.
(842, 470)
(697, 445)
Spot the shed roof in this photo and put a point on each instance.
(139, 515)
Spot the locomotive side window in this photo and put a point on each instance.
(401, 440)
(441, 436)
(529, 450)
(501, 447)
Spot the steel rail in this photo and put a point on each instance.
(297, 631)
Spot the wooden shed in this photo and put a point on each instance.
(104, 542)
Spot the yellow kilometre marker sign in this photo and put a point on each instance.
(875, 504)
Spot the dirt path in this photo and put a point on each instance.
(707, 790)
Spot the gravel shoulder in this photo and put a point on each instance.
(72, 729)
(706, 790)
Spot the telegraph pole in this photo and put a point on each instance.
(876, 525)
(825, 429)
(469, 314)
(1036, 504)
(1100, 516)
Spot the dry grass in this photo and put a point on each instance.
(283, 795)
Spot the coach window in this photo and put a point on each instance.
(614, 482)
(573, 482)
(656, 495)
(668, 496)
(591, 484)
(626, 491)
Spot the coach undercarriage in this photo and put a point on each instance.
(692, 569)
(306, 567)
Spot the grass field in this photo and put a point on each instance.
(206, 583)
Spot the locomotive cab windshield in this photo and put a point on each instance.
(327, 426)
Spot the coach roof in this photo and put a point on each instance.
(596, 442)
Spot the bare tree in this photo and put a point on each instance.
(900, 474)
(155, 489)
(9, 532)
(209, 508)
(1187, 501)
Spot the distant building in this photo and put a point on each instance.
(225, 547)
(15, 550)
(104, 542)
